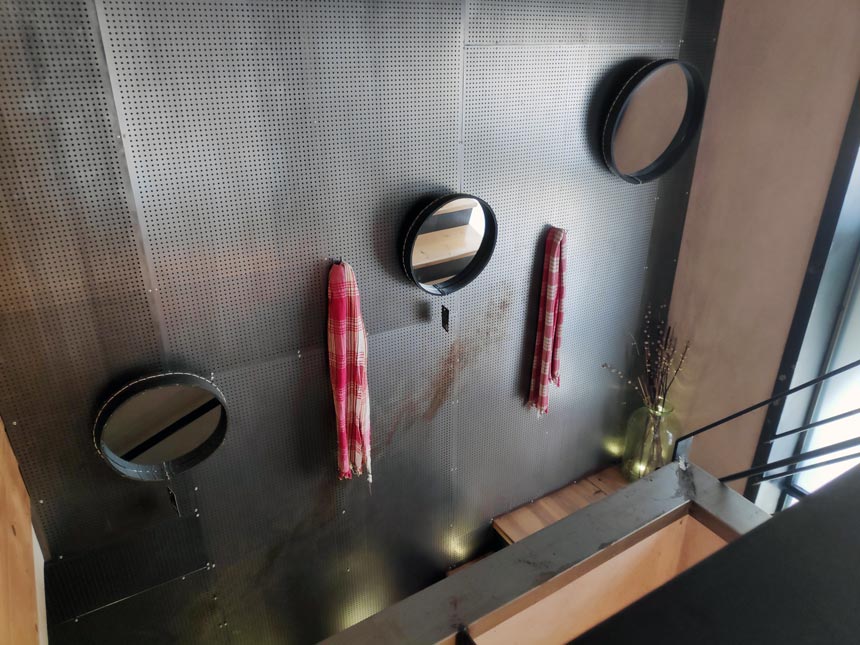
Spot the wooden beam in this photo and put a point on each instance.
(19, 623)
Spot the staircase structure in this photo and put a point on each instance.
(581, 556)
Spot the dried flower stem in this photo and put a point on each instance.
(662, 362)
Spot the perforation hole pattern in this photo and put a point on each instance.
(172, 201)
(75, 311)
(265, 138)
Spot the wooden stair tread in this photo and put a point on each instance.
(532, 517)
(609, 480)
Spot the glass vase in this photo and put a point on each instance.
(651, 435)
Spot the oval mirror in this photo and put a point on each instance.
(448, 243)
(653, 120)
(161, 425)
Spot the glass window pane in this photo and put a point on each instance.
(838, 394)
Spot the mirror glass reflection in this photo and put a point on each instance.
(162, 424)
(651, 118)
(448, 241)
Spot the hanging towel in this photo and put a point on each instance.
(347, 359)
(545, 368)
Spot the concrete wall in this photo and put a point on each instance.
(784, 76)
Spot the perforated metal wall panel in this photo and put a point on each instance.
(176, 176)
(75, 314)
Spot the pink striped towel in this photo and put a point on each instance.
(347, 360)
(545, 368)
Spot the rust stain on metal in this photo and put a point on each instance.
(489, 331)
(446, 376)
(686, 484)
(404, 417)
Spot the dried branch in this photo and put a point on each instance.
(661, 360)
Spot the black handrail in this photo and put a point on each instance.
(796, 459)
(761, 404)
(790, 461)
(789, 473)
(809, 426)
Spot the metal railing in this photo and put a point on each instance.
(760, 471)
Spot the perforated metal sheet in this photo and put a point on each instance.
(176, 176)
(74, 313)
(562, 22)
(264, 138)
(526, 143)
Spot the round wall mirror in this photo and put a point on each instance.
(448, 243)
(653, 120)
(161, 425)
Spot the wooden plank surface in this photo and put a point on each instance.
(699, 543)
(608, 588)
(18, 614)
(609, 480)
(531, 518)
(445, 245)
(595, 596)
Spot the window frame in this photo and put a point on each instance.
(796, 367)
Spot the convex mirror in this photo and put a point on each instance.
(653, 120)
(448, 242)
(160, 425)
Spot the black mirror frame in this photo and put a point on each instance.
(168, 469)
(687, 131)
(474, 268)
